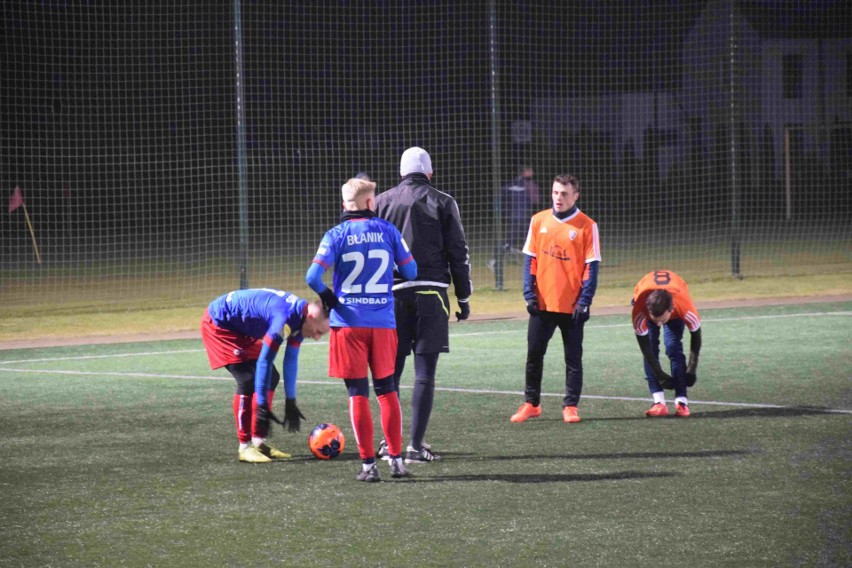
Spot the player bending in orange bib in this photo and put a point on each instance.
(661, 300)
(560, 277)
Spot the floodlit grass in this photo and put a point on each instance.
(126, 455)
(157, 296)
(60, 315)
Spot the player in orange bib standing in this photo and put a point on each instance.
(563, 254)
(661, 300)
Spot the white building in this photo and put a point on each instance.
(775, 81)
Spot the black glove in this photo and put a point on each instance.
(329, 300)
(465, 311)
(292, 416)
(666, 381)
(581, 313)
(690, 370)
(263, 416)
(532, 307)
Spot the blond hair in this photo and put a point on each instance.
(355, 193)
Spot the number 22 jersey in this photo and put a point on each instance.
(363, 252)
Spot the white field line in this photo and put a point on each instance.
(117, 355)
(703, 322)
(471, 334)
(336, 383)
(446, 389)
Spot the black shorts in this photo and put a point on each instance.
(422, 320)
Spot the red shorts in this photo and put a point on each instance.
(225, 347)
(353, 349)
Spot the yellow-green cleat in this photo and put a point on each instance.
(273, 453)
(252, 455)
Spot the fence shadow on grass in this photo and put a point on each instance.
(622, 455)
(544, 477)
(785, 412)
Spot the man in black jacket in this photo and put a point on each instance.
(430, 223)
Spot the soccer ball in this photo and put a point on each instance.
(326, 441)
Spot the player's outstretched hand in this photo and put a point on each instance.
(532, 307)
(666, 381)
(263, 417)
(691, 368)
(464, 311)
(292, 416)
(581, 313)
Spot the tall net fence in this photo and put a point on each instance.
(164, 152)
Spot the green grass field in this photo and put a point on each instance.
(153, 296)
(61, 314)
(125, 455)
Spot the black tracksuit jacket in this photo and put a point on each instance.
(430, 223)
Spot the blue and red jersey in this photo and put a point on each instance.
(265, 315)
(363, 252)
(260, 313)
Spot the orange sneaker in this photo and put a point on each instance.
(525, 412)
(569, 414)
(657, 410)
(681, 410)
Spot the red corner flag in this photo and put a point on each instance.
(16, 200)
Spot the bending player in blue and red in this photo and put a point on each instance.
(242, 331)
(363, 250)
(661, 299)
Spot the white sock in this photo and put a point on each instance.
(659, 397)
(257, 441)
(243, 445)
(367, 466)
(681, 400)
